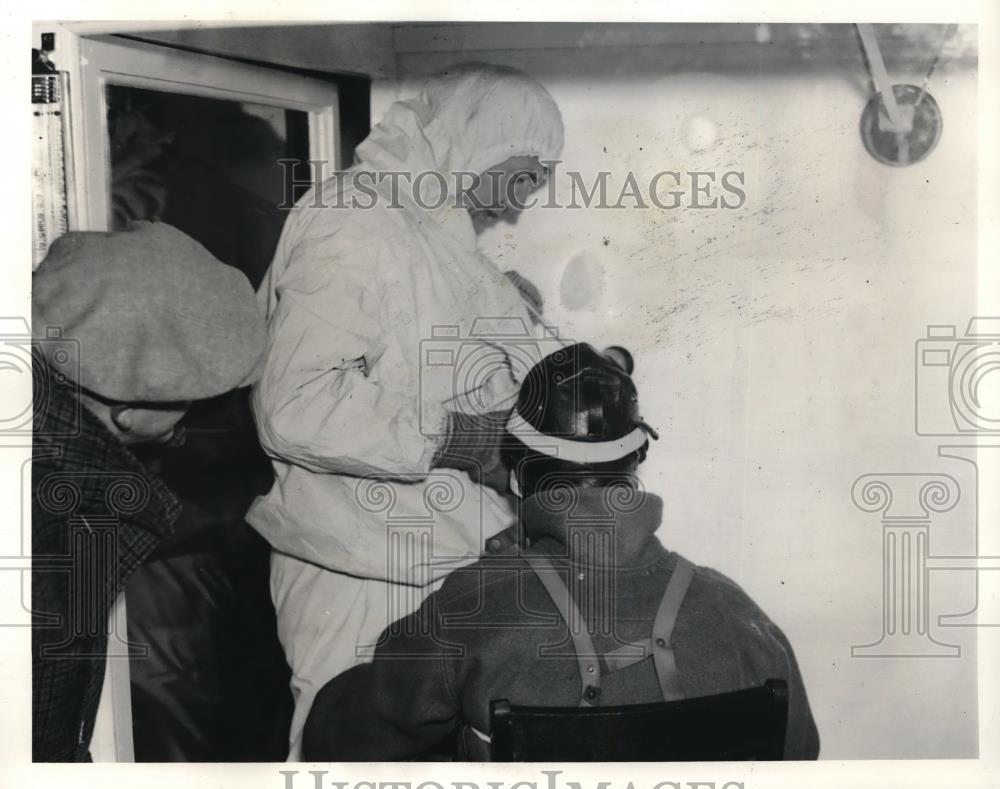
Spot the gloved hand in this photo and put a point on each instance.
(496, 395)
(472, 444)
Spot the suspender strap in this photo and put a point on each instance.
(587, 659)
(663, 629)
(628, 655)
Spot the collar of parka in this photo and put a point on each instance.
(605, 527)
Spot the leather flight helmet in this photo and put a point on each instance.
(580, 405)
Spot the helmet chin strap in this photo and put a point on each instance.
(575, 451)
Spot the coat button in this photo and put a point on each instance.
(493, 545)
(660, 642)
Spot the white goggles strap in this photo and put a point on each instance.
(574, 451)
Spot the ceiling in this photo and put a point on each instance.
(377, 50)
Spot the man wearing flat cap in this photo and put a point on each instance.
(159, 323)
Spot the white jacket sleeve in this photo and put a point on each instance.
(320, 403)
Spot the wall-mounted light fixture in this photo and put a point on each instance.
(901, 124)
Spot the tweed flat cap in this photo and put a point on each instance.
(157, 316)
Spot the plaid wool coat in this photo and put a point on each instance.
(96, 514)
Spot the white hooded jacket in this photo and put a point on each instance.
(357, 301)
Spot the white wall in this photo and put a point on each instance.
(774, 343)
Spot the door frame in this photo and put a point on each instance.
(101, 60)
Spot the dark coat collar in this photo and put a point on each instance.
(611, 526)
(73, 446)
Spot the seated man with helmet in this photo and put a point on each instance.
(584, 576)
